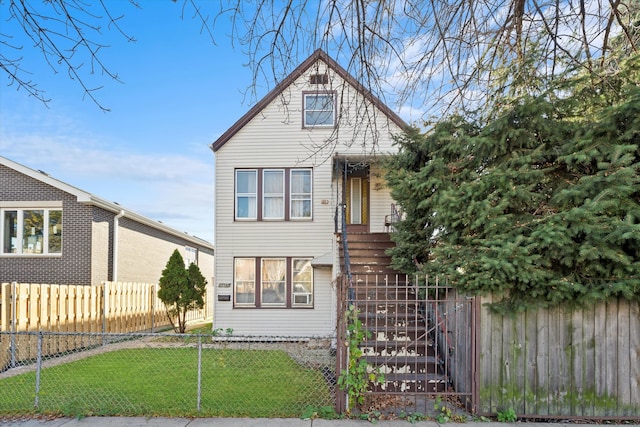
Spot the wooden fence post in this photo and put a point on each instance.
(7, 293)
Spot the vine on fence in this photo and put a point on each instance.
(356, 378)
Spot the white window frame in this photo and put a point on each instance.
(20, 209)
(306, 110)
(308, 296)
(190, 256)
(275, 195)
(263, 300)
(236, 284)
(247, 195)
(307, 196)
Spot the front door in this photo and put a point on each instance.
(357, 193)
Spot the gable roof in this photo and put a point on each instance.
(91, 200)
(318, 55)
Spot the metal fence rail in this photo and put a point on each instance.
(165, 375)
(420, 335)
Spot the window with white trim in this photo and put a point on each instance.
(274, 194)
(302, 279)
(319, 109)
(244, 272)
(31, 231)
(300, 194)
(190, 256)
(273, 279)
(246, 194)
(273, 282)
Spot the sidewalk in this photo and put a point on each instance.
(248, 422)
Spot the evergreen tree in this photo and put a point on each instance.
(538, 205)
(181, 289)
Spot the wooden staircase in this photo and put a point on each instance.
(399, 345)
(367, 253)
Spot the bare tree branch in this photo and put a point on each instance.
(432, 56)
(66, 33)
(439, 55)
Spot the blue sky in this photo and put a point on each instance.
(179, 92)
(150, 153)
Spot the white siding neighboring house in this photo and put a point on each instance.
(280, 171)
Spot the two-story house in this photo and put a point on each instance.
(287, 173)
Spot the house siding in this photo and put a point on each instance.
(143, 252)
(275, 138)
(380, 200)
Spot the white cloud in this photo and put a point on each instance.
(176, 189)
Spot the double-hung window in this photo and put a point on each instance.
(246, 194)
(285, 282)
(319, 109)
(274, 194)
(244, 271)
(300, 193)
(273, 281)
(302, 282)
(190, 256)
(31, 231)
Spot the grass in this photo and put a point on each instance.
(163, 382)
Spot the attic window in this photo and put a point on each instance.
(319, 109)
(319, 79)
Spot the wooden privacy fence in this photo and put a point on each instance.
(110, 307)
(559, 363)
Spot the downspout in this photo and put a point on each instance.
(116, 226)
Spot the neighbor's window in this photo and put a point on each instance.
(190, 256)
(245, 281)
(31, 231)
(302, 282)
(278, 282)
(319, 109)
(246, 194)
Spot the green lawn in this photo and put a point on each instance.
(163, 382)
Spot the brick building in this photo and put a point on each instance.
(52, 232)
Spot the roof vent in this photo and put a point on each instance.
(319, 79)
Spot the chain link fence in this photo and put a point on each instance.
(187, 375)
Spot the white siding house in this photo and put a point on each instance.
(280, 171)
